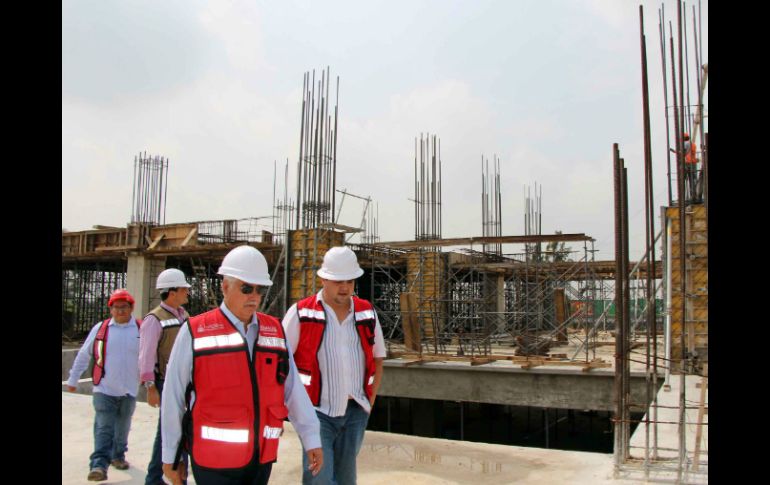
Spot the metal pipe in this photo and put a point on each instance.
(626, 321)
(667, 336)
(618, 447)
(682, 269)
(661, 31)
(334, 158)
(648, 195)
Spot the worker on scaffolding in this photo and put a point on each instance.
(230, 383)
(691, 178)
(157, 335)
(691, 169)
(337, 340)
(114, 346)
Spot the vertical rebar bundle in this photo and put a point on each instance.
(371, 224)
(533, 218)
(317, 164)
(148, 202)
(427, 188)
(491, 207)
(283, 207)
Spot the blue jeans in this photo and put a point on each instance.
(111, 426)
(341, 439)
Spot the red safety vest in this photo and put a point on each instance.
(236, 399)
(312, 324)
(100, 350)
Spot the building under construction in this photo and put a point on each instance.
(541, 328)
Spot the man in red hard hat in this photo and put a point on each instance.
(114, 346)
(339, 348)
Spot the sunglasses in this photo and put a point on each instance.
(247, 289)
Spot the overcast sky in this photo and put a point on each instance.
(215, 87)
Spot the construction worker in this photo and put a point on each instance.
(230, 382)
(690, 168)
(114, 346)
(157, 335)
(338, 345)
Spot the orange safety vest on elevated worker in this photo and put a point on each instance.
(312, 324)
(689, 156)
(238, 413)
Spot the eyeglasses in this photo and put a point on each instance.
(247, 289)
(121, 308)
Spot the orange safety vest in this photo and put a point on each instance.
(100, 350)
(689, 156)
(238, 413)
(312, 324)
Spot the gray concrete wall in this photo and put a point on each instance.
(562, 388)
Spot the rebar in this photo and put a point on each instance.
(427, 185)
(149, 193)
(317, 164)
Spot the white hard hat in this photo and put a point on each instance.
(171, 278)
(340, 264)
(247, 264)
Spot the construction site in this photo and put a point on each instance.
(522, 340)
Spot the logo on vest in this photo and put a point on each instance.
(268, 330)
(209, 327)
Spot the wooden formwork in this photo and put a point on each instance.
(696, 283)
(308, 247)
(426, 273)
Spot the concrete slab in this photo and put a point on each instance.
(385, 458)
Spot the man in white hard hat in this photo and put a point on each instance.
(113, 344)
(338, 345)
(156, 338)
(229, 385)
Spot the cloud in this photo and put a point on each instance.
(118, 52)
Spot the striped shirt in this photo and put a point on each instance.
(340, 358)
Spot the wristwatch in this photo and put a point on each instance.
(149, 384)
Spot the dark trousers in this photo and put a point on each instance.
(155, 468)
(254, 474)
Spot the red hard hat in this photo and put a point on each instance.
(686, 136)
(120, 294)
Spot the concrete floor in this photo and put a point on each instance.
(384, 459)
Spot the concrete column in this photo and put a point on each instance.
(141, 274)
(500, 303)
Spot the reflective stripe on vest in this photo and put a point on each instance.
(170, 322)
(274, 342)
(218, 341)
(226, 435)
(311, 313)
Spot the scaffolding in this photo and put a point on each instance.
(86, 288)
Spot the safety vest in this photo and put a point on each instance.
(312, 324)
(689, 156)
(100, 350)
(237, 398)
(170, 326)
